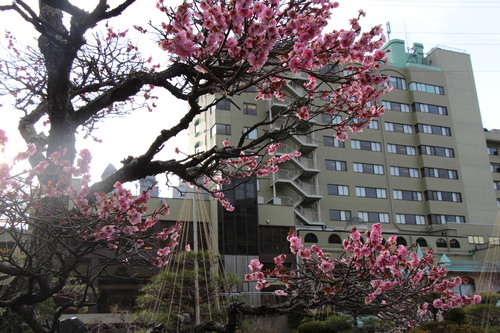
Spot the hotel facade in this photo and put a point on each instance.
(426, 170)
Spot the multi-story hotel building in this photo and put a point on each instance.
(423, 169)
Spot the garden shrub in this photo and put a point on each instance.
(456, 315)
(483, 315)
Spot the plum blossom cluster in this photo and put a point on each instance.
(270, 38)
(115, 219)
(374, 274)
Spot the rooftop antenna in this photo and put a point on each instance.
(388, 29)
(406, 34)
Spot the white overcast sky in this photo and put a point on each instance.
(472, 26)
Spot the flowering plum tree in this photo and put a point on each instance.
(81, 71)
(374, 277)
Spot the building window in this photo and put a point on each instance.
(371, 192)
(421, 242)
(197, 147)
(399, 128)
(454, 243)
(335, 165)
(433, 129)
(407, 195)
(197, 127)
(310, 238)
(401, 241)
(222, 129)
(442, 219)
(250, 109)
(492, 151)
(440, 173)
(223, 104)
(374, 217)
(496, 185)
(239, 230)
(495, 168)
(441, 243)
(401, 149)
(330, 141)
(436, 151)
(252, 135)
(273, 239)
(410, 219)
(436, 109)
(334, 239)
(331, 119)
(376, 169)
(397, 83)
(340, 215)
(428, 88)
(494, 240)
(395, 106)
(443, 196)
(365, 145)
(475, 239)
(404, 172)
(342, 190)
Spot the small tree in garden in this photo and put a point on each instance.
(172, 292)
(82, 71)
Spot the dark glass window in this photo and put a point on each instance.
(440, 173)
(310, 238)
(223, 104)
(495, 168)
(422, 242)
(436, 151)
(273, 239)
(401, 241)
(397, 82)
(335, 165)
(239, 229)
(435, 109)
(433, 129)
(455, 244)
(330, 141)
(250, 109)
(334, 239)
(492, 151)
(340, 215)
(441, 243)
(222, 129)
(334, 189)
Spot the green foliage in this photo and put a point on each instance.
(333, 323)
(169, 297)
(314, 326)
(446, 327)
(456, 315)
(372, 325)
(483, 315)
(490, 298)
(494, 329)
(338, 323)
(295, 319)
